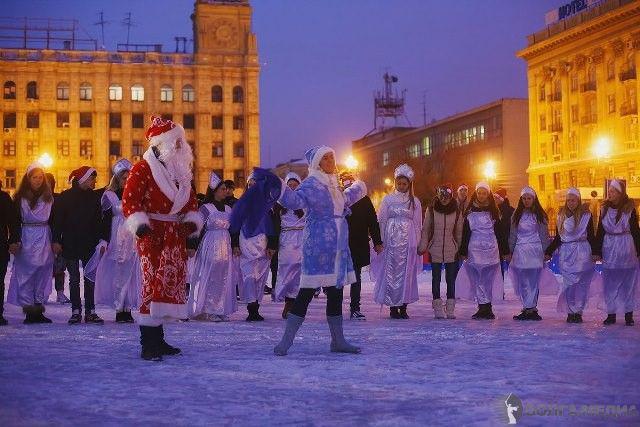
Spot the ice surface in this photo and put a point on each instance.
(420, 371)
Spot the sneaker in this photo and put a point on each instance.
(62, 299)
(93, 318)
(394, 313)
(533, 315)
(524, 315)
(75, 319)
(356, 315)
(267, 290)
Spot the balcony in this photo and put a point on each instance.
(554, 97)
(627, 109)
(556, 127)
(627, 75)
(589, 119)
(588, 87)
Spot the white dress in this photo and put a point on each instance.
(289, 255)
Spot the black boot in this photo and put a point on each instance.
(119, 316)
(394, 313)
(252, 309)
(403, 312)
(166, 349)
(288, 305)
(129, 318)
(628, 319)
(610, 320)
(149, 338)
(39, 316)
(3, 321)
(478, 314)
(524, 315)
(571, 318)
(258, 317)
(29, 314)
(534, 315)
(489, 312)
(577, 318)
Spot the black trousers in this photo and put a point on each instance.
(274, 271)
(354, 292)
(59, 266)
(73, 267)
(305, 295)
(451, 271)
(4, 262)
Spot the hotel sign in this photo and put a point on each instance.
(569, 9)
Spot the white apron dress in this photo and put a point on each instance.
(289, 256)
(213, 290)
(480, 278)
(118, 276)
(32, 271)
(254, 267)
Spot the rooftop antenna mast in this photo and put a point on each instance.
(388, 104)
(127, 22)
(102, 23)
(424, 107)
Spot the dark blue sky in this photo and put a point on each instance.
(322, 59)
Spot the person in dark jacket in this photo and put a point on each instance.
(59, 265)
(231, 186)
(76, 232)
(363, 224)
(506, 211)
(8, 219)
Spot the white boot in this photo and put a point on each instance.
(438, 311)
(451, 305)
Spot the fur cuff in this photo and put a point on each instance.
(196, 218)
(361, 185)
(135, 220)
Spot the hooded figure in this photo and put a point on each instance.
(162, 211)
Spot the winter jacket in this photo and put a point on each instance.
(8, 222)
(363, 222)
(442, 232)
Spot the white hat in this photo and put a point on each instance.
(405, 171)
(314, 155)
(121, 166)
(463, 186)
(33, 166)
(483, 184)
(292, 175)
(214, 181)
(574, 191)
(528, 190)
(617, 184)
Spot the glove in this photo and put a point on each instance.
(190, 227)
(143, 230)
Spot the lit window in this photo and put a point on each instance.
(86, 92)
(115, 93)
(137, 93)
(188, 94)
(166, 93)
(62, 91)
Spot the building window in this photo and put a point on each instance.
(216, 94)
(63, 148)
(62, 119)
(137, 121)
(385, 158)
(541, 183)
(8, 120)
(62, 91)
(542, 93)
(426, 146)
(137, 93)
(574, 114)
(238, 122)
(611, 70)
(557, 184)
(216, 149)
(9, 90)
(86, 149)
(591, 75)
(239, 178)
(189, 121)
(137, 148)
(86, 92)
(543, 122)
(555, 147)
(32, 90)
(167, 117)
(413, 151)
(9, 148)
(611, 101)
(10, 178)
(114, 148)
(574, 82)
(238, 149)
(33, 147)
(86, 120)
(188, 94)
(573, 178)
(216, 122)
(573, 145)
(238, 95)
(166, 93)
(115, 120)
(115, 93)
(33, 120)
(543, 152)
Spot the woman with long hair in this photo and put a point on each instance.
(213, 289)
(118, 275)
(483, 245)
(575, 238)
(618, 245)
(30, 244)
(395, 269)
(528, 238)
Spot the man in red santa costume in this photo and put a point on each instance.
(162, 211)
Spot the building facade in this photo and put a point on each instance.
(490, 142)
(92, 106)
(583, 100)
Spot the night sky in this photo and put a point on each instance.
(323, 59)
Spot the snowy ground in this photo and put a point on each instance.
(411, 372)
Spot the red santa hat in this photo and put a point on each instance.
(163, 130)
(81, 174)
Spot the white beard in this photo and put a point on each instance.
(178, 162)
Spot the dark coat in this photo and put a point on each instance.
(506, 211)
(76, 222)
(363, 223)
(7, 223)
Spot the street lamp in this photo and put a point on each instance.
(45, 160)
(602, 147)
(387, 181)
(351, 162)
(489, 170)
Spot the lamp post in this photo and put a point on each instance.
(45, 160)
(351, 162)
(489, 171)
(601, 150)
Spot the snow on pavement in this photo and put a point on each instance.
(419, 371)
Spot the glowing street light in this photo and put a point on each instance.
(45, 160)
(489, 170)
(351, 162)
(387, 181)
(602, 147)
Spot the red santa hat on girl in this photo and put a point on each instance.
(163, 130)
(81, 174)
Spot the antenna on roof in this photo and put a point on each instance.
(102, 23)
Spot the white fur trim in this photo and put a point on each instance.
(404, 170)
(362, 185)
(292, 175)
(147, 320)
(135, 220)
(165, 310)
(282, 190)
(484, 185)
(315, 163)
(179, 196)
(317, 280)
(196, 218)
(171, 135)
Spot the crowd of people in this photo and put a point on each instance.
(148, 243)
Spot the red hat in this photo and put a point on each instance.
(158, 127)
(501, 192)
(81, 174)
